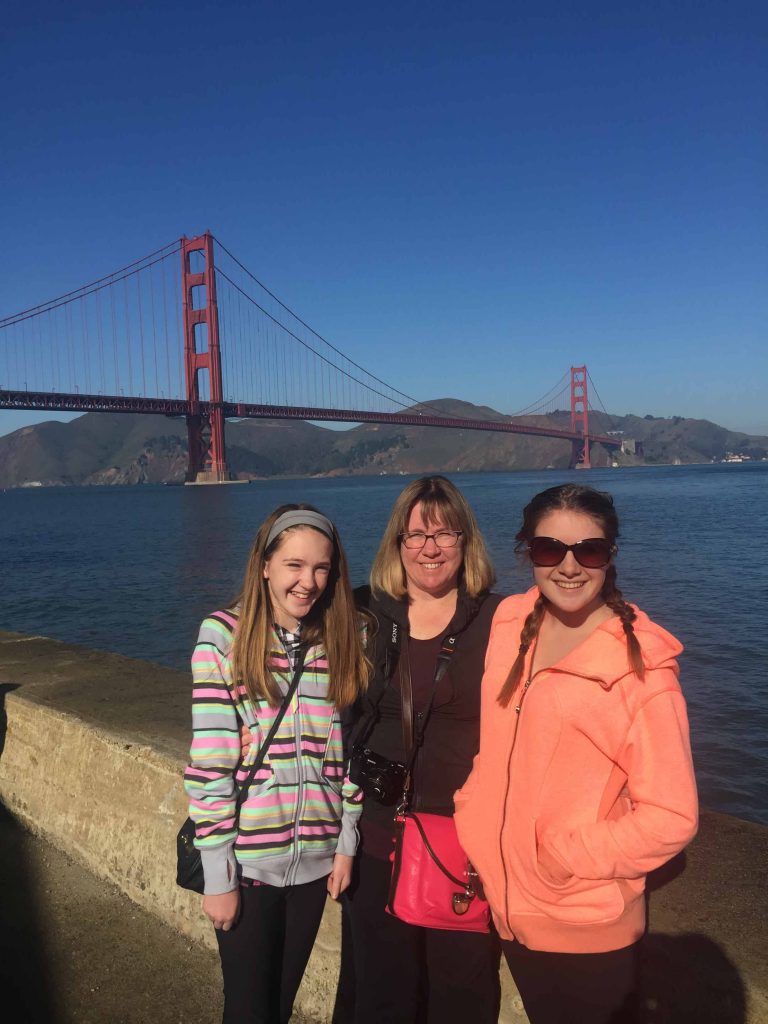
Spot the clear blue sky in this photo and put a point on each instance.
(466, 198)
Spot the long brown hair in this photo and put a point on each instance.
(441, 501)
(331, 622)
(598, 505)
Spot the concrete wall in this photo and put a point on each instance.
(94, 746)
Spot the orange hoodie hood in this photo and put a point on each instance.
(604, 657)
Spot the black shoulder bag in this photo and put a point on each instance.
(189, 863)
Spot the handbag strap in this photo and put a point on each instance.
(428, 846)
(273, 729)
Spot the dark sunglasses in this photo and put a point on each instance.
(592, 554)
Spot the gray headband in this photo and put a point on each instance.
(300, 517)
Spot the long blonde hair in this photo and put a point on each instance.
(331, 622)
(441, 501)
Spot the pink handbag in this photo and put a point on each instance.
(433, 884)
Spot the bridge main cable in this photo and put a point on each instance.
(88, 289)
(410, 399)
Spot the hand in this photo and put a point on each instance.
(340, 876)
(223, 909)
(246, 739)
(551, 869)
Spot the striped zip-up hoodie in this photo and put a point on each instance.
(300, 809)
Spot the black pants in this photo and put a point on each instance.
(264, 956)
(561, 988)
(396, 973)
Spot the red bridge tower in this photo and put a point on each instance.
(205, 431)
(580, 418)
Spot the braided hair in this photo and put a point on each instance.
(598, 505)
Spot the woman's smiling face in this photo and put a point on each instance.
(431, 569)
(572, 591)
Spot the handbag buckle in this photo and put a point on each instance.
(461, 901)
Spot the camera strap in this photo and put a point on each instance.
(414, 739)
(364, 727)
(397, 655)
(406, 699)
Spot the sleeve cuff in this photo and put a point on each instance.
(349, 836)
(219, 869)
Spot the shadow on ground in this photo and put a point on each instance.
(24, 974)
(687, 978)
(74, 949)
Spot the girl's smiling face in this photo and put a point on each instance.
(572, 591)
(297, 573)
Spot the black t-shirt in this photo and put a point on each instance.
(387, 738)
(452, 734)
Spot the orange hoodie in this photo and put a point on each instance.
(582, 785)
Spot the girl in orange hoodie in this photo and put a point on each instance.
(584, 780)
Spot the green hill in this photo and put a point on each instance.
(113, 448)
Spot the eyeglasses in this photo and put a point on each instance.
(594, 553)
(443, 538)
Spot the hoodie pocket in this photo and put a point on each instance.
(266, 825)
(572, 900)
(333, 769)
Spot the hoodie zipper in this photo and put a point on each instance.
(518, 709)
(293, 864)
(296, 853)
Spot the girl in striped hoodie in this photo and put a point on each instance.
(267, 871)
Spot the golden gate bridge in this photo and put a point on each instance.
(189, 331)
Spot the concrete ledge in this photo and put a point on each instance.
(94, 746)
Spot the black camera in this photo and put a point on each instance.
(379, 778)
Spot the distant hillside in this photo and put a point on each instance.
(110, 448)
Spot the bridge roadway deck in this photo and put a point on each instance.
(44, 400)
(91, 749)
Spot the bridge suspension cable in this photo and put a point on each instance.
(221, 274)
(274, 374)
(546, 402)
(124, 335)
(95, 338)
(103, 282)
(409, 398)
(593, 391)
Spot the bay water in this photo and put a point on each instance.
(133, 570)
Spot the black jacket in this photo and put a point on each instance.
(452, 734)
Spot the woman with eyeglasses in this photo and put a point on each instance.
(429, 583)
(584, 780)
